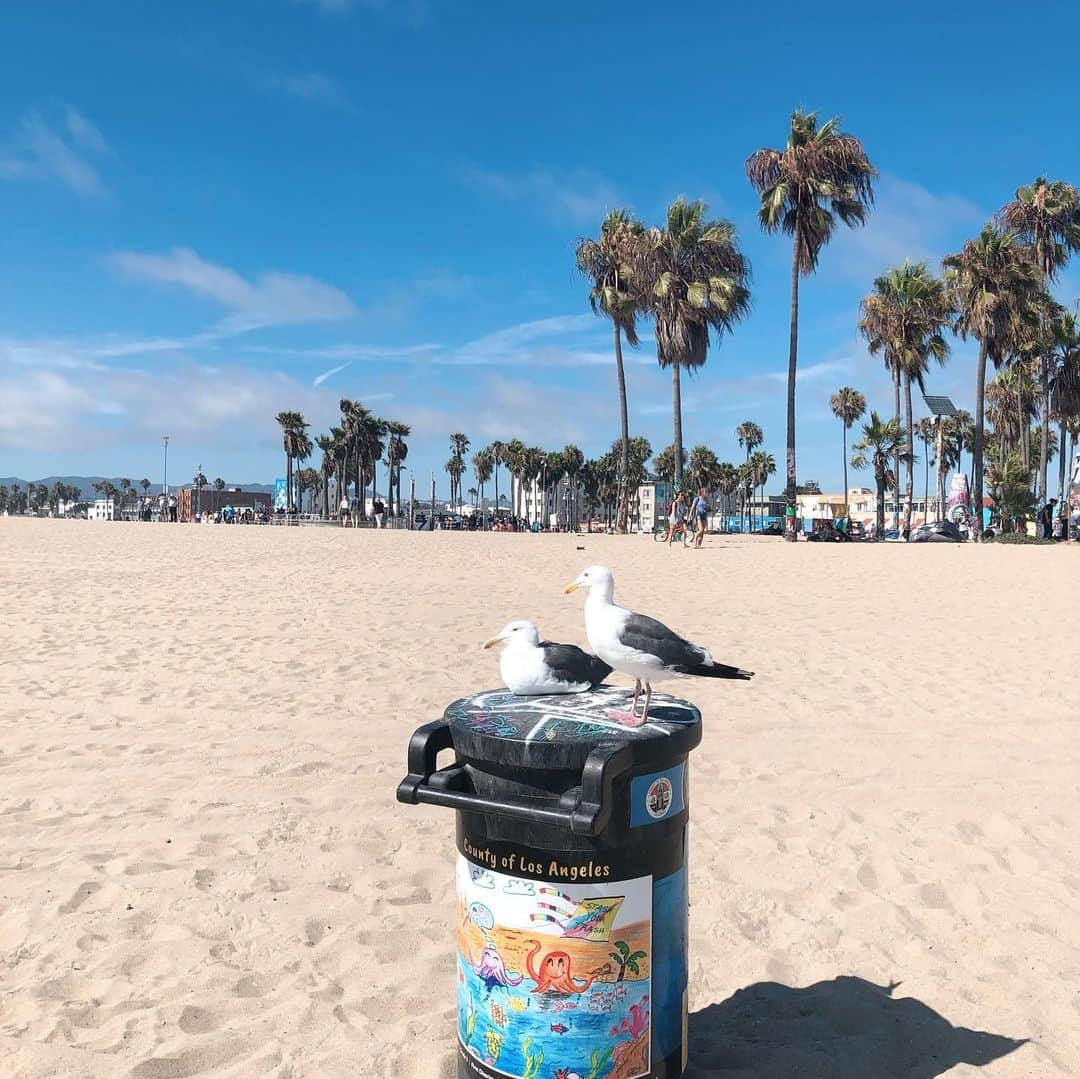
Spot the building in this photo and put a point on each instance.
(555, 508)
(101, 509)
(653, 500)
(209, 500)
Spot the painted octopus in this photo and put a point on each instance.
(491, 970)
(553, 975)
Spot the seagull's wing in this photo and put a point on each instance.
(569, 663)
(645, 634)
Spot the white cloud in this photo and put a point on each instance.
(311, 86)
(36, 150)
(318, 380)
(906, 221)
(579, 196)
(272, 299)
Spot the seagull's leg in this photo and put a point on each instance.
(632, 719)
(648, 701)
(629, 719)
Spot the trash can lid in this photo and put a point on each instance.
(559, 731)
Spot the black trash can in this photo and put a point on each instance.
(571, 881)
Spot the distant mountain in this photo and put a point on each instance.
(86, 484)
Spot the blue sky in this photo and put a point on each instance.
(218, 210)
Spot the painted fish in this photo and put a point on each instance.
(559, 1028)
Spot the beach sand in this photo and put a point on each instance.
(204, 872)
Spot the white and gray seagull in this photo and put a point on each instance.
(638, 645)
(530, 666)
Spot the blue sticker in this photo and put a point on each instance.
(657, 797)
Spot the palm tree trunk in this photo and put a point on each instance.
(496, 487)
(1044, 448)
(977, 443)
(624, 431)
(1063, 495)
(910, 481)
(288, 482)
(676, 398)
(879, 516)
(896, 455)
(847, 511)
(790, 524)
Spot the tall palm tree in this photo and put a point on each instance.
(694, 282)
(397, 451)
(761, 466)
(821, 175)
(483, 463)
(994, 278)
(750, 436)
(513, 456)
(664, 464)
(293, 428)
(847, 406)
(574, 461)
(1046, 214)
(727, 482)
(925, 430)
(606, 262)
(497, 450)
(702, 466)
(1065, 390)
(905, 318)
(877, 445)
(459, 446)
(145, 485)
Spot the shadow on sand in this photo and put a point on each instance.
(846, 1028)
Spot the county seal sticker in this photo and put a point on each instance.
(658, 796)
(554, 978)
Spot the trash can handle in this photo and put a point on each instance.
(588, 813)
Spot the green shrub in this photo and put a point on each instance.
(1022, 537)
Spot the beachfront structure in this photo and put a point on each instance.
(653, 500)
(101, 509)
(553, 508)
(209, 500)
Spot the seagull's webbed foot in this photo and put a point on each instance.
(631, 718)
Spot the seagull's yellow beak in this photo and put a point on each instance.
(492, 641)
(573, 586)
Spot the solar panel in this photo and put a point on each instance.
(939, 406)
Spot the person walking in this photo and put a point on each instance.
(343, 511)
(699, 513)
(379, 510)
(677, 515)
(1046, 519)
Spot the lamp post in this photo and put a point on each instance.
(165, 479)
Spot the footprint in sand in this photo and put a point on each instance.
(933, 895)
(82, 894)
(867, 877)
(314, 931)
(204, 878)
(196, 1021)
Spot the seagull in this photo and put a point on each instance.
(638, 645)
(530, 666)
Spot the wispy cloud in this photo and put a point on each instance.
(318, 380)
(35, 149)
(271, 299)
(312, 86)
(348, 352)
(559, 341)
(907, 221)
(579, 196)
(413, 12)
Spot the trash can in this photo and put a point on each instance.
(571, 881)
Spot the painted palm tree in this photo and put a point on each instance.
(848, 406)
(606, 263)
(626, 959)
(876, 449)
(1045, 214)
(994, 278)
(822, 176)
(750, 436)
(293, 428)
(905, 319)
(694, 282)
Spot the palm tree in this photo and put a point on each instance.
(455, 469)
(145, 485)
(761, 466)
(925, 430)
(459, 445)
(727, 482)
(1065, 388)
(994, 279)
(1009, 481)
(606, 262)
(847, 406)
(820, 176)
(397, 451)
(574, 461)
(750, 436)
(483, 463)
(294, 439)
(198, 482)
(1045, 214)
(702, 466)
(513, 456)
(497, 450)
(693, 281)
(664, 464)
(219, 484)
(878, 444)
(905, 318)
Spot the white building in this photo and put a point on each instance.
(554, 508)
(101, 509)
(653, 500)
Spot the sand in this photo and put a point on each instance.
(204, 872)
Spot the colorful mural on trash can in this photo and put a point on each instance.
(554, 979)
